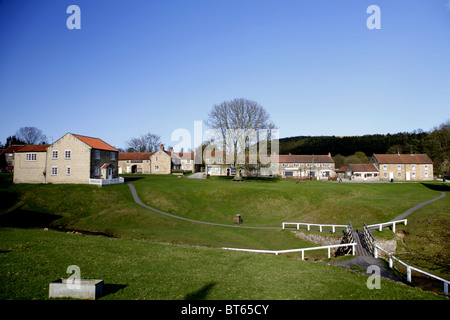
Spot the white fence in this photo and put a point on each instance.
(393, 223)
(410, 268)
(334, 226)
(106, 182)
(308, 225)
(276, 252)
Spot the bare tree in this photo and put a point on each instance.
(31, 135)
(240, 124)
(145, 143)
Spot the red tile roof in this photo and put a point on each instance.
(12, 148)
(305, 158)
(95, 143)
(403, 158)
(135, 156)
(34, 148)
(362, 167)
(184, 155)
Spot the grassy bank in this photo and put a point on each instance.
(31, 258)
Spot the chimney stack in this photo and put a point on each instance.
(161, 147)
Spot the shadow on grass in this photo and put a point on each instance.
(437, 187)
(201, 293)
(110, 288)
(27, 219)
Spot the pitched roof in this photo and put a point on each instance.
(403, 158)
(183, 155)
(363, 167)
(135, 155)
(95, 143)
(34, 148)
(12, 148)
(305, 158)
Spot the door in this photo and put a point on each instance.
(109, 173)
(228, 172)
(408, 175)
(391, 175)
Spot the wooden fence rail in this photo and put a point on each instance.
(302, 250)
(409, 268)
(393, 223)
(308, 225)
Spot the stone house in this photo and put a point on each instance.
(159, 162)
(306, 166)
(135, 162)
(362, 172)
(406, 167)
(287, 166)
(71, 159)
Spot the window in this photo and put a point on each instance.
(296, 164)
(385, 174)
(309, 165)
(399, 174)
(375, 174)
(31, 157)
(113, 156)
(55, 154)
(399, 167)
(426, 174)
(97, 154)
(96, 171)
(413, 167)
(54, 171)
(326, 165)
(426, 167)
(67, 154)
(156, 168)
(285, 165)
(68, 171)
(413, 174)
(188, 161)
(385, 167)
(156, 159)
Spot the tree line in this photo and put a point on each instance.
(435, 143)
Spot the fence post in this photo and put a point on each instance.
(393, 227)
(446, 288)
(333, 228)
(380, 227)
(391, 262)
(308, 226)
(303, 254)
(329, 249)
(375, 252)
(408, 273)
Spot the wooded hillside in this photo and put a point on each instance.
(435, 143)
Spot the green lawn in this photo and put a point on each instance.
(178, 272)
(31, 258)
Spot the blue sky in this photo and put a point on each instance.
(156, 66)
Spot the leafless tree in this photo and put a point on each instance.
(31, 135)
(240, 124)
(145, 143)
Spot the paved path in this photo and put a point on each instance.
(198, 175)
(420, 205)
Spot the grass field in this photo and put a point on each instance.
(179, 272)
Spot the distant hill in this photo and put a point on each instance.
(435, 143)
(348, 145)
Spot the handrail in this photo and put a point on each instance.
(393, 223)
(409, 268)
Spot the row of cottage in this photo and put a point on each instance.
(80, 159)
